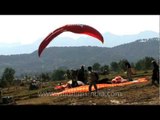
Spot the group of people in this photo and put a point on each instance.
(86, 76)
(155, 72)
(91, 78)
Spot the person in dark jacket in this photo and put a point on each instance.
(92, 79)
(129, 72)
(155, 72)
(81, 74)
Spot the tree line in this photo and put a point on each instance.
(8, 75)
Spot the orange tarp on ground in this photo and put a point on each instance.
(84, 88)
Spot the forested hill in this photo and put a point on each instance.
(73, 57)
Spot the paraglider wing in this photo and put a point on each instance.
(48, 39)
(85, 29)
(75, 28)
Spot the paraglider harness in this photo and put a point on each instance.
(74, 83)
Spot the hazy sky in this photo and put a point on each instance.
(27, 29)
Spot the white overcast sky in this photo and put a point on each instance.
(27, 29)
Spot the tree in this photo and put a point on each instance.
(58, 75)
(114, 66)
(96, 66)
(147, 63)
(105, 69)
(139, 65)
(44, 76)
(121, 64)
(7, 77)
(144, 64)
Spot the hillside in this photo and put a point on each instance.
(73, 57)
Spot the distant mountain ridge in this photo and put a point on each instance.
(110, 40)
(72, 57)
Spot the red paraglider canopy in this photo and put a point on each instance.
(75, 28)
